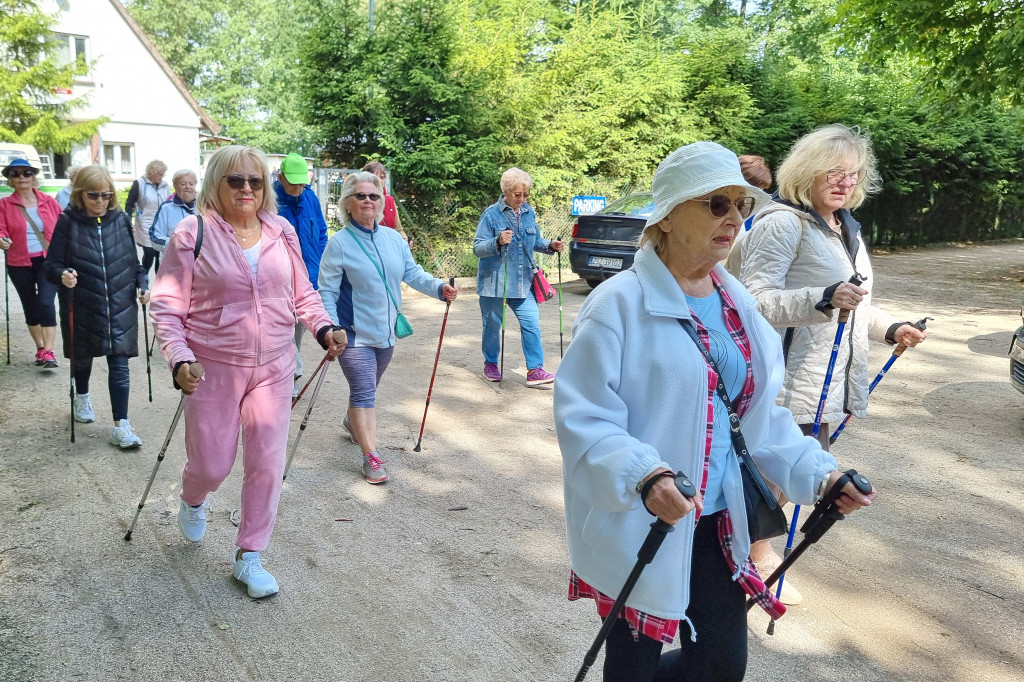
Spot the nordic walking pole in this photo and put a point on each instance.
(312, 376)
(305, 420)
(7, 309)
(196, 370)
(659, 529)
(71, 354)
(504, 299)
(921, 324)
(447, 305)
(844, 315)
(823, 517)
(149, 368)
(561, 353)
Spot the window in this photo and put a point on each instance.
(72, 49)
(119, 158)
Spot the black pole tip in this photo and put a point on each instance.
(128, 536)
(417, 448)
(771, 627)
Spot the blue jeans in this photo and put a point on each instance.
(528, 315)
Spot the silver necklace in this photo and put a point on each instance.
(245, 237)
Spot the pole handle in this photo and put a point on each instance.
(196, 370)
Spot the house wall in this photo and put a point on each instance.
(147, 112)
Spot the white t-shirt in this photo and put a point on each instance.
(252, 254)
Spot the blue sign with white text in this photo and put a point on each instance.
(582, 205)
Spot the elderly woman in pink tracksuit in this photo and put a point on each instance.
(228, 294)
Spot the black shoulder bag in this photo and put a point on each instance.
(764, 515)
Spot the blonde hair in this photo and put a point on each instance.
(348, 188)
(652, 236)
(155, 166)
(514, 177)
(822, 150)
(224, 160)
(93, 179)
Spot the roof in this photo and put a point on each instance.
(204, 117)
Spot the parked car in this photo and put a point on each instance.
(1017, 357)
(603, 244)
(9, 151)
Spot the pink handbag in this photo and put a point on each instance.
(542, 291)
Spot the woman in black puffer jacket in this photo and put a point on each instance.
(92, 254)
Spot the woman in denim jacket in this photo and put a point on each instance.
(505, 239)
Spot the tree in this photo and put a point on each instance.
(31, 111)
(971, 47)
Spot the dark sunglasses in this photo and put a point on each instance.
(99, 195)
(238, 182)
(363, 197)
(28, 173)
(719, 205)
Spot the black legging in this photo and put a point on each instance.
(719, 613)
(117, 382)
(150, 258)
(36, 293)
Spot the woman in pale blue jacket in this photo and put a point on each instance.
(360, 282)
(506, 237)
(635, 400)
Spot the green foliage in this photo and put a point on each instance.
(972, 47)
(30, 111)
(240, 62)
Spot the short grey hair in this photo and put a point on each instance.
(155, 166)
(348, 188)
(224, 160)
(183, 173)
(514, 177)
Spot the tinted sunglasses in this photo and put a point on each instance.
(27, 173)
(238, 182)
(99, 195)
(719, 205)
(363, 197)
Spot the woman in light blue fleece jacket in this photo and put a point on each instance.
(361, 277)
(635, 400)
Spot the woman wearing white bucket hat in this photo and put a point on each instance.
(635, 400)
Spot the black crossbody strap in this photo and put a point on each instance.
(738, 442)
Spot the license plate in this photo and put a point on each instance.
(601, 262)
(1017, 351)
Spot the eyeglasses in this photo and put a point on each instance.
(27, 173)
(363, 197)
(521, 195)
(99, 195)
(837, 175)
(238, 182)
(719, 205)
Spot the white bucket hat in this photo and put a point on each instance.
(695, 170)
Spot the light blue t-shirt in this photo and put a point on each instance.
(31, 240)
(731, 363)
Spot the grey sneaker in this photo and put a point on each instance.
(83, 409)
(249, 570)
(373, 469)
(351, 432)
(295, 389)
(124, 436)
(192, 521)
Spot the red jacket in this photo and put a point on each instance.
(13, 225)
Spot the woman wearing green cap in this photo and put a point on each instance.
(299, 205)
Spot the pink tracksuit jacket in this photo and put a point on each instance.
(240, 327)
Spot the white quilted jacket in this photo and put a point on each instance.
(787, 260)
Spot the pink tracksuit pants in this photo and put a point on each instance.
(257, 400)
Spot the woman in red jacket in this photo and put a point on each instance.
(27, 218)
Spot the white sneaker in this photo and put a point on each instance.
(124, 436)
(295, 389)
(83, 409)
(192, 521)
(249, 570)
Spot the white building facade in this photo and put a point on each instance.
(151, 113)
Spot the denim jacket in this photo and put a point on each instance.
(490, 274)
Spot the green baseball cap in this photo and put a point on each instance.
(295, 169)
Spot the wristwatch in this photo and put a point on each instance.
(822, 487)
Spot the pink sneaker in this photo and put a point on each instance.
(537, 377)
(491, 372)
(39, 357)
(49, 361)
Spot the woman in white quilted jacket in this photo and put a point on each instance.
(797, 261)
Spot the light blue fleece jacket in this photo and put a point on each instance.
(354, 294)
(631, 396)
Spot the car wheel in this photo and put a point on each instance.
(592, 283)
